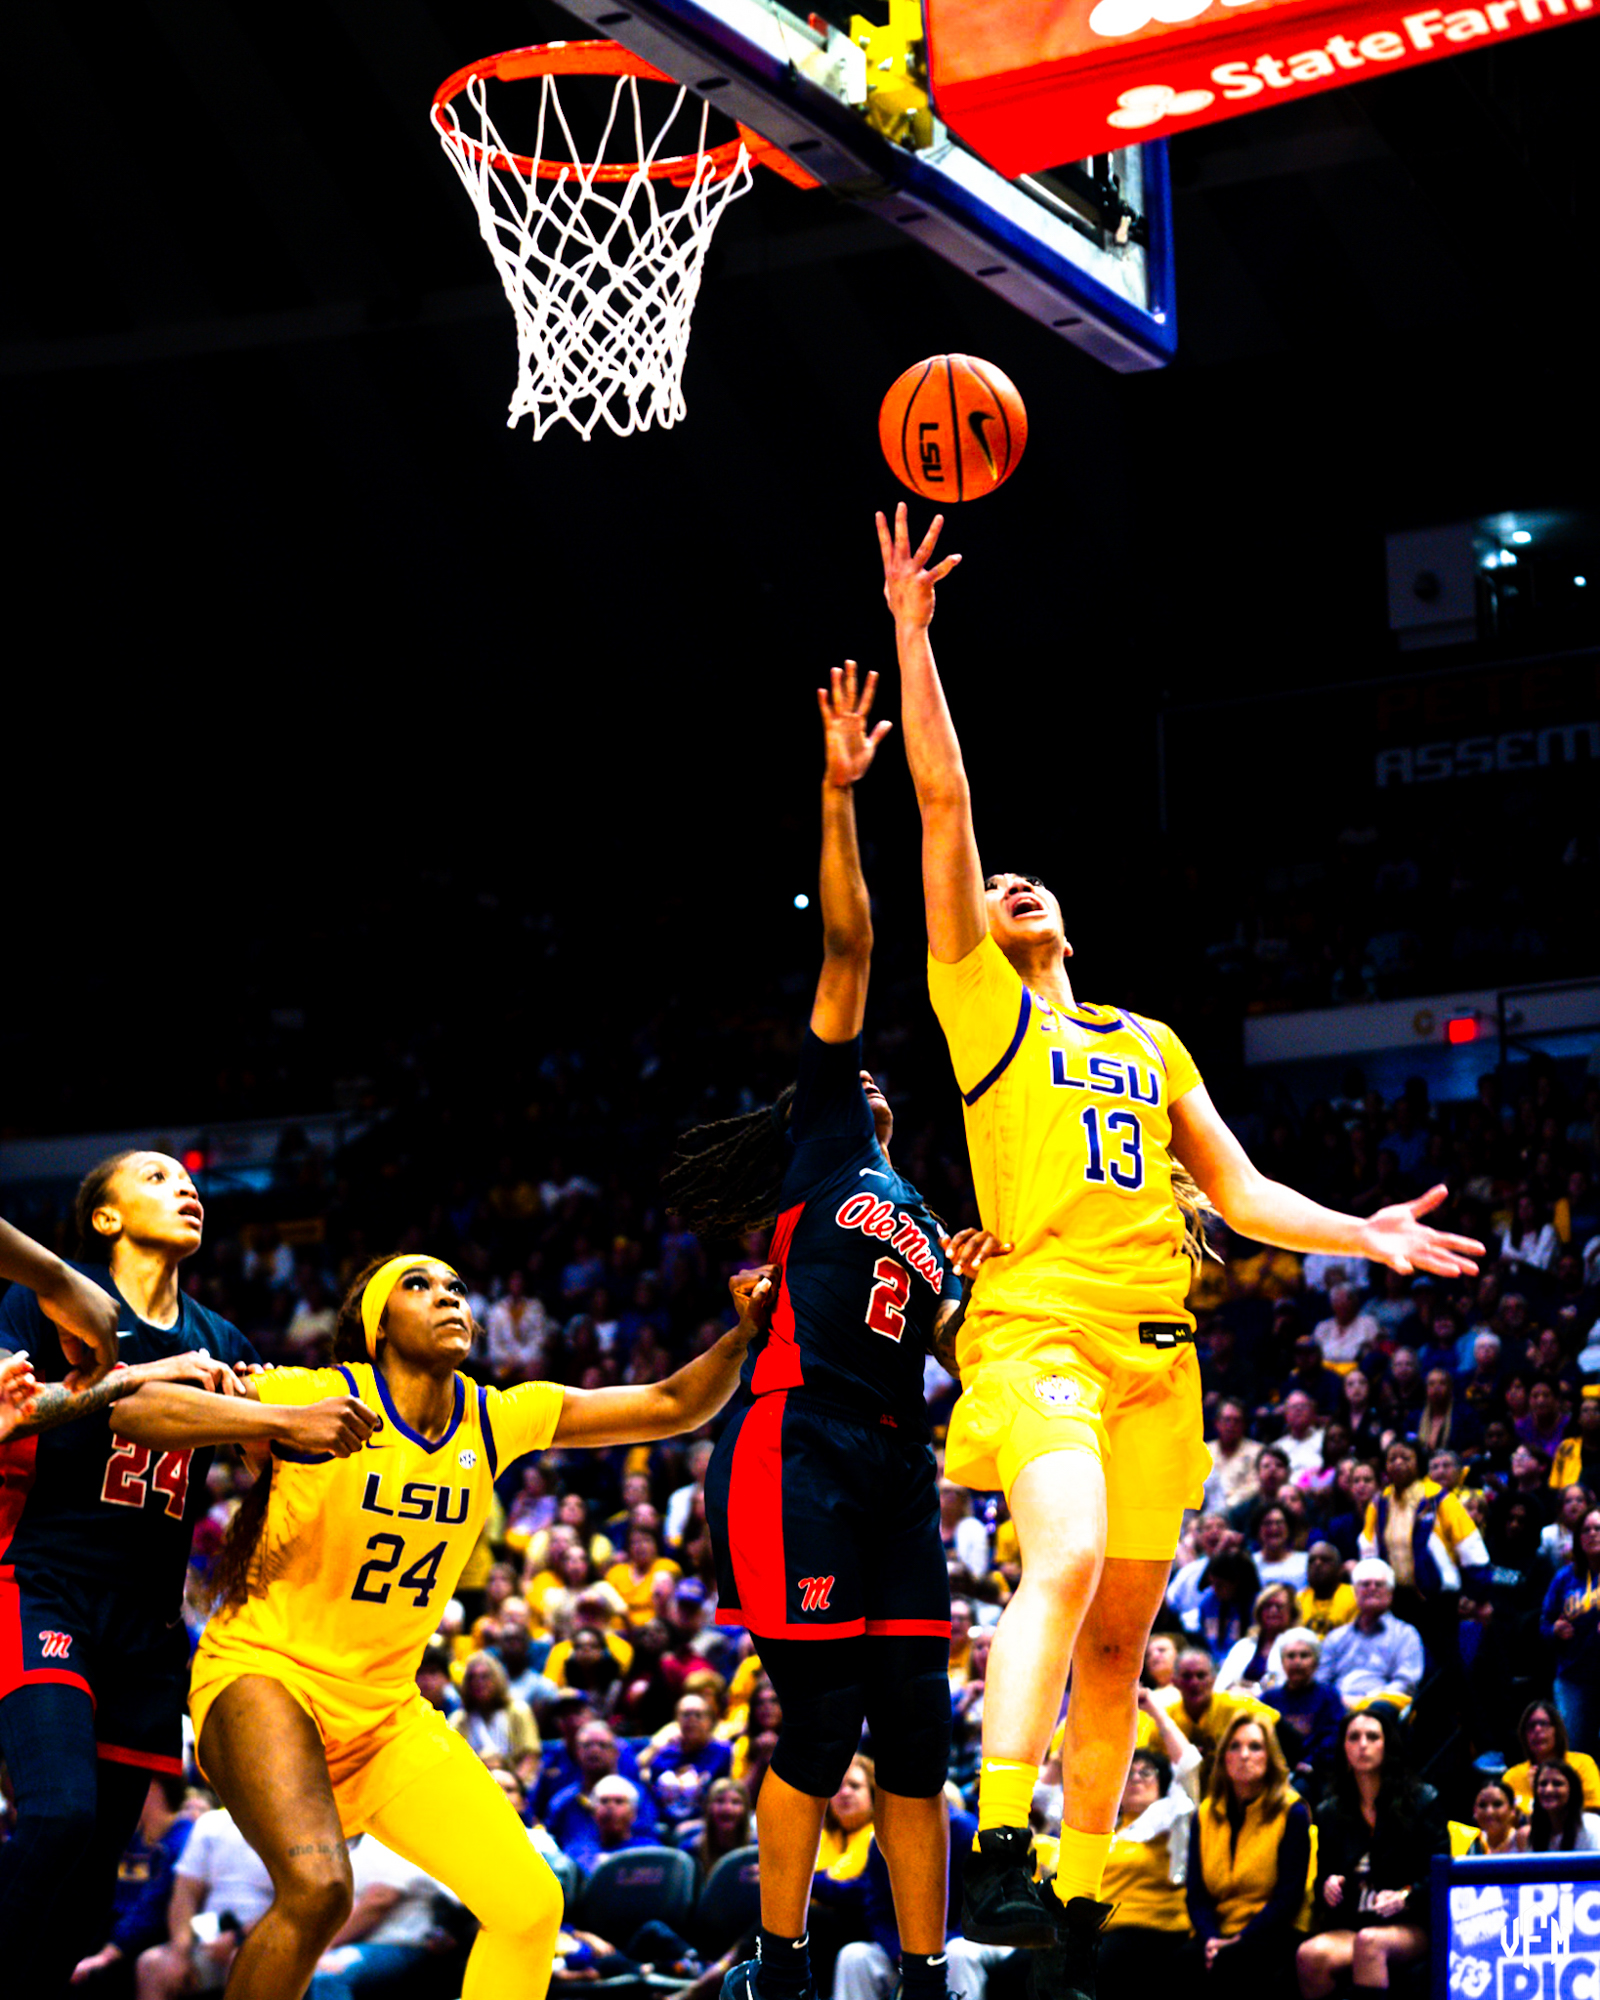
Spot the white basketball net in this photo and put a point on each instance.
(602, 276)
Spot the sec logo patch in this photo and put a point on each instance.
(1056, 1392)
(467, 1459)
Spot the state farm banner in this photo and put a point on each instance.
(1029, 87)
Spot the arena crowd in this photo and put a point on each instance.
(1390, 1594)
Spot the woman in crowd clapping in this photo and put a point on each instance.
(1376, 1837)
(1249, 1665)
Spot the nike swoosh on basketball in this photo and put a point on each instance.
(976, 419)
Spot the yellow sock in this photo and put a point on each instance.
(1005, 1792)
(1082, 1864)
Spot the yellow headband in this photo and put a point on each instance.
(381, 1284)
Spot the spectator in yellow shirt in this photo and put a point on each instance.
(634, 1578)
(1327, 1599)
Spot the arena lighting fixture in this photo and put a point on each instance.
(1521, 535)
(802, 901)
(1582, 582)
(1460, 1029)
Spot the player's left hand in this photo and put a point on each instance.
(85, 1318)
(199, 1370)
(18, 1387)
(1400, 1238)
(753, 1298)
(969, 1249)
(847, 747)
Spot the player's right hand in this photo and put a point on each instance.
(18, 1387)
(754, 1298)
(908, 583)
(340, 1425)
(969, 1248)
(86, 1319)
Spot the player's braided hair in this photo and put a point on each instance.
(724, 1178)
(92, 1190)
(1196, 1205)
(230, 1573)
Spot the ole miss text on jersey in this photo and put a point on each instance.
(860, 1270)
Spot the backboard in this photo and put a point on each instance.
(1085, 248)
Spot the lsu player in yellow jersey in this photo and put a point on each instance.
(1080, 1388)
(308, 1721)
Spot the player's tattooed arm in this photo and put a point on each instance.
(58, 1403)
(945, 1329)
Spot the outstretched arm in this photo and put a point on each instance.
(952, 878)
(85, 1316)
(841, 1002)
(1272, 1213)
(684, 1401)
(169, 1416)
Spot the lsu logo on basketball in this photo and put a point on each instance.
(57, 1645)
(930, 457)
(815, 1592)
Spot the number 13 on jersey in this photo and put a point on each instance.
(1116, 1147)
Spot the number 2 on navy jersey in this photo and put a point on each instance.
(886, 1306)
(1126, 1166)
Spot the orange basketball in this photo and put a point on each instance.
(953, 428)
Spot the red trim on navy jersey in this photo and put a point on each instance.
(755, 1515)
(778, 1365)
(849, 1628)
(908, 1628)
(18, 1465)
(146, 1760)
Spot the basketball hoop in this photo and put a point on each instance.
(601, 260)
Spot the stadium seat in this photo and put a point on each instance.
(633, 1887)
(730, 1902)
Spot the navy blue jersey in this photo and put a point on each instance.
(94, 1521)
(861, 1273)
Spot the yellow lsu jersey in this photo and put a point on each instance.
(358, 1556)
(1069, 1134)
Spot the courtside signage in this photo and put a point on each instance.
(1028, 88)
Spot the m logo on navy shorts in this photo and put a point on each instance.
(814, 1592)
(55, 1645)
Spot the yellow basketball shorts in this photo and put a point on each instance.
(1142, 1423)
(374, 1748)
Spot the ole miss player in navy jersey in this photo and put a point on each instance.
(822, 1496)
(94, 1543)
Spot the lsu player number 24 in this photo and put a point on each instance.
(308, 1721)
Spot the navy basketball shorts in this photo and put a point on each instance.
(825, 1525)
(136, 1681)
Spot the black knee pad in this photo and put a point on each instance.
(821, 1732)
(911, 1736)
